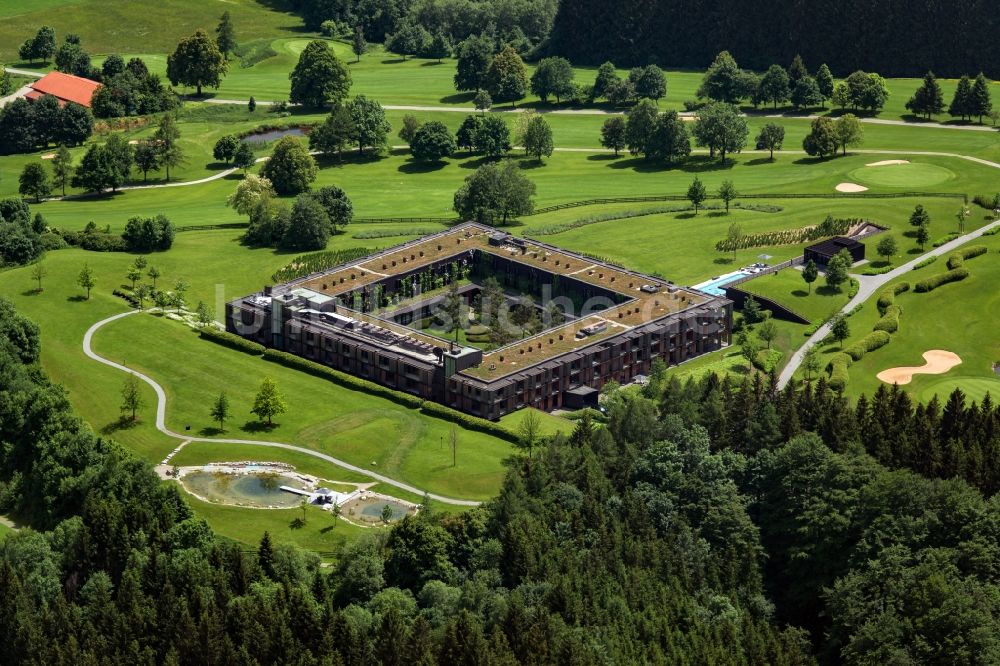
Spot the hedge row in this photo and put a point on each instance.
(839, 376)
(342, 378)
(927, 262)
(467, 421)
(957, 258)
(405, 399)
(869, 343)
(992, 232)
(890, 320)
(935, 281)
(889, 294)
(879, 271)
(947, 238)
(853, 287)
(232, 340)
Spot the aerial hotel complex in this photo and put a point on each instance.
(364, 318)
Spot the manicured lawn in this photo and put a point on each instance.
(913, 176)
(958, 317)
(126, 27)
(352, 425)
(320, 533)
(787, 288)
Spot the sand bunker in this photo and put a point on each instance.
(49, 156)
(851, 187)
(888, 162)
(938, 363)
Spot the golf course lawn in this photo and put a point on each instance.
(914, 175)
(958, 317)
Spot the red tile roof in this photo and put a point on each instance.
(66, 87)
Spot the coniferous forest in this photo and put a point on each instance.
(893, 37)
(705, 522)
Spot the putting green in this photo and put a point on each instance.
(973, 387)
(908, 176)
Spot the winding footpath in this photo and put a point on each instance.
(868, 286)
(161, 417)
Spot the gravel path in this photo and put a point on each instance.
(869, 285)
(161, 417)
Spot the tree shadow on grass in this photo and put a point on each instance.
(759, 160)
(458, 98)
(717, 213)
(258, 426)
(210, 431)
(605, 157)
(31, 292)
(706, 164)
(530, 163)
(914, 250)
(416, 166)
(297, 524)
(640, 165)
(800, 293)
(392, 61)
(78, 298)
(478, 162)
(121, 423)
(827, 290)
(723, 261)
(326, 530)
(432, 63)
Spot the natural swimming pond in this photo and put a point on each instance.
(369, 509)
(272, 135)
(262, 489)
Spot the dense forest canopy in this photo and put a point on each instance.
(892, 37)
(705, 522)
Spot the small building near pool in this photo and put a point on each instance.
(822, 253)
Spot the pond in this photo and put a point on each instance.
(369, 509)
(272, 135)
(257, 489)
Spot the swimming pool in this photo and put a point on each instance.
(715, 285)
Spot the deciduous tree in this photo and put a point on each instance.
(132, 400)
(809, 274)
(335, 133)
(474, 57)
(887, 248)
(848, 131)
(697, 193)
(771, 138)
(538, 138)
(727, 192)
(34, 182)
(721, 127)
(822, 140)
(319, 78)
(371, 129)
(197, 62)
(613, 134)
(290, 168)
(553, 76)
(86, 279)
(220, 410)
(495, 193)
(774, 85)
(433, 142)
(507, 77)
(268, 402)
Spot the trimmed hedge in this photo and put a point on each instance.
(466, 420)
(232, 341)
(342, 378)
(890, 320)
(889, 294)
(935, 281)
(869, 343)
(852, 291)
(992, 232)
(947, 238)
(839, 376)
(957, 258)
(878, 271)
(927, 262)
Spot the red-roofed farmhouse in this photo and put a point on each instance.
(64, 87)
